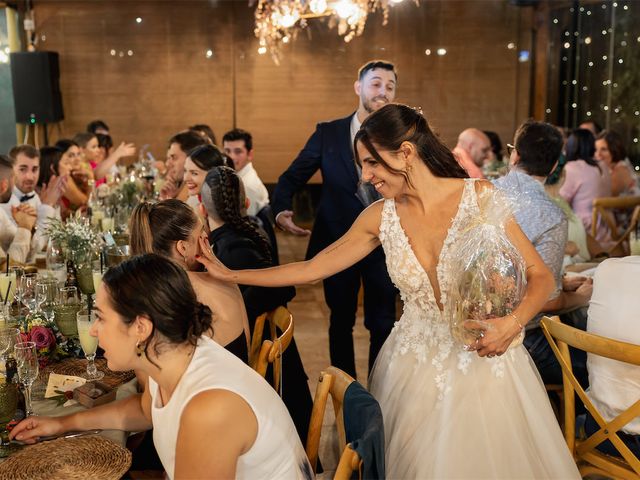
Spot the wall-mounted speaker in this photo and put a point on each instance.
(36, 87)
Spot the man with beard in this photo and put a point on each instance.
(26, 170)
(15, 236)
(330, 150)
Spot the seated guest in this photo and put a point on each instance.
(581, 246)
(591, 125)
(98, 127)
(537, 149)
(238, 244)
(206, 132)
(92, 155)
(610, 151)
(472, 150)
(26, 170)
(171, 229)
(238, 145)
(586, 179)
(71, 157)
(53, 162)
(199, 161)
(105, 144)
(179, 147)
(613, 313)
(213, 416)
(15, 236)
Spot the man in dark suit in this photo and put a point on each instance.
(330, 149)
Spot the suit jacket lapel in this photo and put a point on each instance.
(346, 152)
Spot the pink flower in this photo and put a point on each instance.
(24, 337)
(42, 336)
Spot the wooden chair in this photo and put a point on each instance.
(334, 382)
(590, 460)
(263, 353)
(602, 208)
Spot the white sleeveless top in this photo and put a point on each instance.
(276, 452)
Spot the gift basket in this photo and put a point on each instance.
(488, 274)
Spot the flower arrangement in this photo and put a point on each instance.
(75, 237)
(51, 344)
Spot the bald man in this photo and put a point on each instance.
(472, 150)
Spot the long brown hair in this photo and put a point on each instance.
(155, 227)
(395, 123)
(224, 197)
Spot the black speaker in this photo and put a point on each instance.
(36, 87)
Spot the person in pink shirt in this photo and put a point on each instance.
(472, 150)
(586, 179)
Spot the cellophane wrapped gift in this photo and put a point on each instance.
(488, 274)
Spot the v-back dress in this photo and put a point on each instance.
(449, 413)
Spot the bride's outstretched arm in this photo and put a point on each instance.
(540, 284)
(353, 246)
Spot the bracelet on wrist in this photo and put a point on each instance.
(515, 317)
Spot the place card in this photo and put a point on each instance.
(63, 383)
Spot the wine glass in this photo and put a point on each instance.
(89, 344)
(8, 338)
(56, 262)
(96, 272)
(27, 290)
(27, 362)
(47, 296)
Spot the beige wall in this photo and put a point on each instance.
(168, 83)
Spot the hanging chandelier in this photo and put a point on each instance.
(279, 21)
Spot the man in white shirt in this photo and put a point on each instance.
(613, 313)
(26, 170)
(15, 230)
(238, 145)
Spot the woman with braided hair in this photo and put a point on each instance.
(238, 243)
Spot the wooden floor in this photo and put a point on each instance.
(311, 325)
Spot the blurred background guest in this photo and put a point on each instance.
(205, 131)
(179, 147)
(611, 152)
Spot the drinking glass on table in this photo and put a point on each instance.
(7, 287)
(27, 363)
(96, 272)
(66, 311)
(56, 262)
(89, 344)
(47, 296)
(9, 337)
(27, 290)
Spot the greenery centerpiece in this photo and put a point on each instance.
(79, 244)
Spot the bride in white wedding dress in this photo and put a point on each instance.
(448, 413)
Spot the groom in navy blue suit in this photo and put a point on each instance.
(330, 149)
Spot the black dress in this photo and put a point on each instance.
(239, 252)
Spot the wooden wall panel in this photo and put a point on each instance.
(168, 83)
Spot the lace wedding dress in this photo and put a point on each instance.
(449, 413)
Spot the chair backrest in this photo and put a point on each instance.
(334, 382)
(602, 207)
(263, 353)
(561, 337)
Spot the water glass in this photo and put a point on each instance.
(27, 362)
(9, 337)
(66, 311)
(89, 344)
(7, 287)
(47, 296)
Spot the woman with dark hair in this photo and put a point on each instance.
(239, 244)
(585, 180)
(448, 413)
(199, 161)
(56, 161)
(92, 154)
(610, 151)
(213, 416)
(170, 228)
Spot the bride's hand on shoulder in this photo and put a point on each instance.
(215, 268)
(497, 335)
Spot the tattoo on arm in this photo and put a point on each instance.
(337, 246)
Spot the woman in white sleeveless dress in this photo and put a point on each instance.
(212, 415)
(448, 413)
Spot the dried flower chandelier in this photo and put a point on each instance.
(278, 21)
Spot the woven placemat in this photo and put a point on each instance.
(78, 368)
(69, 459)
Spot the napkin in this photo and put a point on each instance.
(63, 383)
